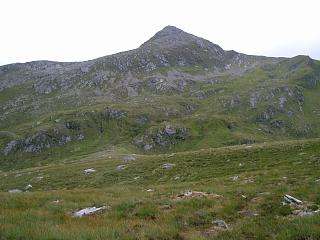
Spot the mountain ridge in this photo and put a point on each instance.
(175, 92)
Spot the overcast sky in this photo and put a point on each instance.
(76, 30)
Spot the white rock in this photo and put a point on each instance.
(129, 158)
(221, 224)
(15, 191)
(89, 170)
(120, 167)
(291, 199)
(88, 211)
(168, 165)
(28, 187)
(235, 178)
(150, 190)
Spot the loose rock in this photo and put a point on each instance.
(129, 158)
(28, 187)
(221, 224)
(193, 194)
(290, 199)
(120, 167)
(15, 191)
(89, 170)
(89, 211)
(168, 165)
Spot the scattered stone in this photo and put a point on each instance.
(170, 130)
(240, 164)
(193, 194)
(221, 224)
(129, 158)
(149, 190)
(168, 165)
(56, 201)
(89, 171)
(147, 147)
(171, 155)
(28, 187)
(80, 137)
(89, 211)
(303, 213)
(318, 180)
(40, 178)
(176, 178)
(290, 199)
(120, 167)
(235, 178)
(247, 180)
(136, 178)
(142, 120)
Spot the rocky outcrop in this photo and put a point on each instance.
(37, 143)
(161, 137)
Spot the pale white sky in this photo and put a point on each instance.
(76, 30)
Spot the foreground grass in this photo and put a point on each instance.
(249, 179)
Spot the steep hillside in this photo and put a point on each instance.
(175, 92)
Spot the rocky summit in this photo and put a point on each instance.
(178, 139)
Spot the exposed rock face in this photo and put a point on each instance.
(163, 137)
(37, 143)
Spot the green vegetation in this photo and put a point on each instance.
(249, 179)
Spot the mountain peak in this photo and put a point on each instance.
(169, 30)
(170, 36)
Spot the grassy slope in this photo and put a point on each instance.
(208, 120)
(278, 168)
